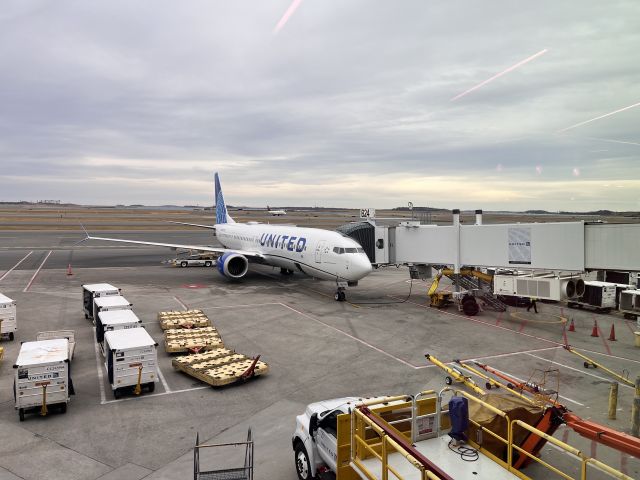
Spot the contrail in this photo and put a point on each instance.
(287, 15)
(498, 75)
(612, 141)
(598, 118)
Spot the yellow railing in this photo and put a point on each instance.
(380, 446)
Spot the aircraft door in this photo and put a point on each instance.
(320, 247)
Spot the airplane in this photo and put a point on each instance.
(276, 213)
(318, 253)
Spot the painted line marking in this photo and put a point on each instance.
(103, 397)
(182, 304)
(626, 322)
(15, 266)
(162, 379)
(577, 370)
(150, 395)
(523, 325)
(26, 289)
(604, 341)
(523, 381)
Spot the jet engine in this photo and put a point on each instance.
(233, 265)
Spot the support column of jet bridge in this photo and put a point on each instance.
(456, 265)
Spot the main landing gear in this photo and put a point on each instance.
(286, 271)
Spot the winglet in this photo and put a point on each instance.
(87, 236)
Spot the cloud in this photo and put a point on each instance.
(349, 100)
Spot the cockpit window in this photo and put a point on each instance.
(351, 250)
(360, 250)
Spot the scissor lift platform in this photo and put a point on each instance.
(183, 340)
(183, 319)
(220, 367)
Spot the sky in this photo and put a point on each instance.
(343, 103)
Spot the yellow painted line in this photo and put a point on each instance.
(530, 318)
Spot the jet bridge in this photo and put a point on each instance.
(557, 246)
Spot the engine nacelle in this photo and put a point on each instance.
(233, 265)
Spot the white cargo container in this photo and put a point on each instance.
(92, 291)
(115, 320)
(42, 376)
(69, 335)
(108, 304)
(598, 295)
(131, 360)
(8, 322)
(630, 303)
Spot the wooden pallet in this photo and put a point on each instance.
(184, 340)
(218, 367)
(183, 319)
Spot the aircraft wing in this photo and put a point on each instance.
(212, 227)
(201, 248)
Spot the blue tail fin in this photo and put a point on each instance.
(221, 209)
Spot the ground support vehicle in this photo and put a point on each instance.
(92, 291)
(69, 335)
(183, 319)
(8, 319)
(630, 304)
(42, 378)
(197, 260)
(111, 320)
(239, 473)
(601, 296)
(220, 367)
(131, 360)
(419, 437)
(107, 304)
(191, 340)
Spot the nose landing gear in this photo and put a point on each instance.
(340, 295)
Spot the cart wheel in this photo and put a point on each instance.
(183, 264)
(207, 264)
(63, 408)
(448, 380)
(86, 317)
(586, 364)
(336, 296)
(151, 386)
(510, 385)
(11, 337)
(488, 385)
(21, 414)
(116, 393)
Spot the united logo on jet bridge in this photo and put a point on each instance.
(280, 241)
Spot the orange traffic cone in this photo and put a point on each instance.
(572, 327)
(612, 335)
(594, 332)
(69, 272)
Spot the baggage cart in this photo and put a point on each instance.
(70, 335)
(92, 291)
(42, 377)
(244, 472)
(8, 322)
(600, 296)
(131, 360)
(111, 320)
(630, 304)
(106, 304)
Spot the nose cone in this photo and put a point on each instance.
(360, 267)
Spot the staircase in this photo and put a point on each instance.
(484, 290)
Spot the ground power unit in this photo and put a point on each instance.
(42, 379)
(8, 319)
(111, 320)
(92, 291)
(130, 360)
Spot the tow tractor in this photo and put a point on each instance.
(195, 260)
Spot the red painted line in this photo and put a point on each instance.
(626, 322)
(182, 304)
(624, 459)
(499, 318)
(594, 448)
(564, 335)
(15, 266)
(604, 341)
(523, 325)
(26, 289)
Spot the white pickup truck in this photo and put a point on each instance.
(315, 438)
(198, 260)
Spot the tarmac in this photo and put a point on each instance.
(316, 348)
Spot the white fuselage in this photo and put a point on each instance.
(318, 253)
